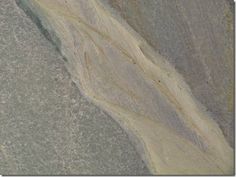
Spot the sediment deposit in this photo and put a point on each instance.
(115, 68)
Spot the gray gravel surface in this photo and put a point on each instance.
(197, 37)
(46, 126)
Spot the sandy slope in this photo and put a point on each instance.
(116, 69)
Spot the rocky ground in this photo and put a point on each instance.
(46, 126)
(196, 37)
(162, 69)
